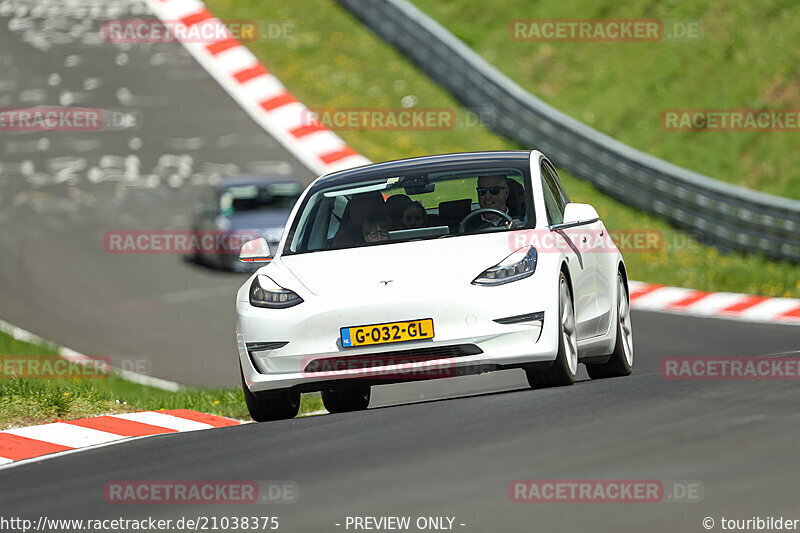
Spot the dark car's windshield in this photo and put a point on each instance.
(393, 208)
(254, 197)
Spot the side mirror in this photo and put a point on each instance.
(577, 215)
(577, 212)
(255, 251)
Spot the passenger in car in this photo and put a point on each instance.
(414, 216)
(395, 205)
(516, 199)
(362, 206)
(376, 228)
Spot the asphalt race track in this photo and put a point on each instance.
(456, 457)
(440, 448)
(60, 192)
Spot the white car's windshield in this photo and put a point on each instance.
(392, 208)
(256, 197)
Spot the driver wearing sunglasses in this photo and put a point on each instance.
(492, 194)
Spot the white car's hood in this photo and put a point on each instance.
(408, 266)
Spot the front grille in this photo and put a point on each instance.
(374, 360)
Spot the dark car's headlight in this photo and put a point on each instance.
(516, 266)
(266, 293)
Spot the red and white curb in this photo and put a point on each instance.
(747, 307)
(259, 92)
(36, 441)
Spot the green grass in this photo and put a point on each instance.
(37, 401)
(748, 57)
(335, 62)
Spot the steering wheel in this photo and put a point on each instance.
(463, 224)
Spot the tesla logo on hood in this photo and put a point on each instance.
(387, 282)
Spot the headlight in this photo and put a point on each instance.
(516, 266)
(266, 293)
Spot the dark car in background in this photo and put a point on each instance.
(238, 210)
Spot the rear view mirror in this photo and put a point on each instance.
(255, 251)
(418, 185)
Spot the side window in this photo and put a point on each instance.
(557, 181)
(555, 200)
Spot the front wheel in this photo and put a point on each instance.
(345, 400)
(620, 363)
(269, 406)
(562, 371)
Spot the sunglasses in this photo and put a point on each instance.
(494, 191)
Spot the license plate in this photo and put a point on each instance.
(409, 330)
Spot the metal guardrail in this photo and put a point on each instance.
(722, 214)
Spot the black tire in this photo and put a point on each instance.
(558, 374)
(617, 364)
(346, 400)
(269, 406)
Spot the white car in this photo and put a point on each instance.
(425, 268)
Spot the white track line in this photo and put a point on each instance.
(71, 355)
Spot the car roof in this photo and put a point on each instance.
(255, 180)
(429, 163)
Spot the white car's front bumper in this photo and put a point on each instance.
(466, 317)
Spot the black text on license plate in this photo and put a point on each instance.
(389, 332)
